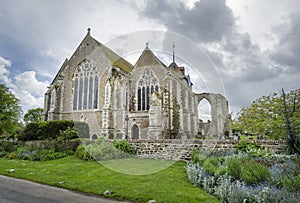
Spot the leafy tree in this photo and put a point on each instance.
(33, 115)
(10, 111)
(266, 115)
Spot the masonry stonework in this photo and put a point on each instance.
(182, 149)
(148, 100)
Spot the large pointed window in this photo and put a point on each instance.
(85, 87)
(147, 84)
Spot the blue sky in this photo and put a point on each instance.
(253, 44)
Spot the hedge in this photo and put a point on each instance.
(48, 130)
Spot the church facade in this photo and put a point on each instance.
(148, 100)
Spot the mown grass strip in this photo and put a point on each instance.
(169, 185)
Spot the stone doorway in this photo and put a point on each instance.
(135, 132)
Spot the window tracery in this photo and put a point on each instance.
(146, 85)
(85, 87)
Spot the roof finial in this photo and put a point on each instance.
(147, 43)
(89, 30)
(173, 52)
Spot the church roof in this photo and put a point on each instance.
(148, 58)
(178, 69)
(115, 58)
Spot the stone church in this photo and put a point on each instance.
(148, 100)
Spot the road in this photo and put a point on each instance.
(22, 191)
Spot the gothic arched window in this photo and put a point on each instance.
(146, 85)
(85, 87)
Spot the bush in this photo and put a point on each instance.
(292, 183)
(39, 154)
(47, 130)
(234, 168)
(211, 165)
(81, 153)
(124, 146)
(104, 150)
(198, 157)
(246, 146)
(7, 146)
(253, 173)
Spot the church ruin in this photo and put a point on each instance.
(148, 100)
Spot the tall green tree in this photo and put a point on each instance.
(10, 111)
(33, 115)
(266, 115)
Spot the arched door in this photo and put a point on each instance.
(135, 132)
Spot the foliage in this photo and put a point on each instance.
(248, 177)
(10, 111)
(246, 146)
(61, 142)
(81, 153)
(124, 146)
(7, 146)
(211, 165)
(46, 130)
(253, 173)
(253, 149)
(236, 191)
(266, 115)
(291, 111)
(39, 154)
(104, 150)
(292, 183)
(234, 168)
(33, 115)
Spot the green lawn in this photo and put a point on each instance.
(169, 185)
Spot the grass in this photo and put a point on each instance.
(169, 185)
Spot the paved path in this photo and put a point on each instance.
(22, 191)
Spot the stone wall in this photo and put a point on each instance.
(182, 149)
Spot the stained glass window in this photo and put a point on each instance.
(85, 87)
(146, 85)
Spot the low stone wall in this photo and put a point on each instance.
(182, 149)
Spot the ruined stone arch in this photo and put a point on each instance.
(219, 113)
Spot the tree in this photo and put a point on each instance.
(33, 115)
(266, 115)
(291, 111)
(10, 111)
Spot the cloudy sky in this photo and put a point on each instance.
(253, 44)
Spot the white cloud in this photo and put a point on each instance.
(27, 81)
(4, 72)
(25, 86)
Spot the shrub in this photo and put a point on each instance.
(198, 157)
(246, 146)
(104, 150)
(46, 130)
(253, 172)
(81, 153)
(7, 146)
(211, 165)
(234, 168)
(124, 146)
(39, 154)
(292, 183)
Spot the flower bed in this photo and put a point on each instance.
(249, 175)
